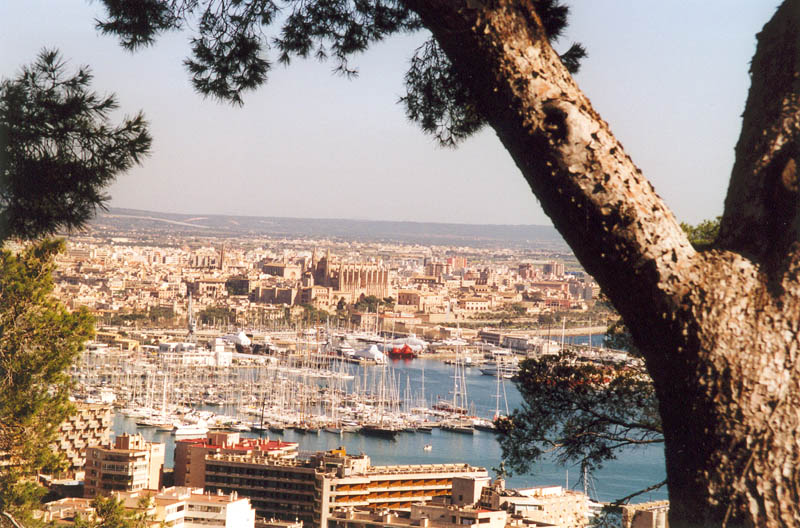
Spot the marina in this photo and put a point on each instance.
(398, 412)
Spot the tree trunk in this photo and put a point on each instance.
(719, 327)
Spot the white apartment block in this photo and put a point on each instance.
(204, 510)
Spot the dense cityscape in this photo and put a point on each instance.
(216, 357)
(348, 316)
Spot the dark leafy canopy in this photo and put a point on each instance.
(231, 42)
(580, 412)
(39, 339)
(58, 149)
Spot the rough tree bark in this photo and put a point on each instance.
(719, 327)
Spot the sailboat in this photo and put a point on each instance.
(459, 423)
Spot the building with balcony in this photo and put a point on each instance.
(89, 426)
(132, 464)
(190, 454)
(309, 490)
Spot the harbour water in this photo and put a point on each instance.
(634, 469)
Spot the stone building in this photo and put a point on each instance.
(354, 278)
(283, 270)
(553, 268)
(274, 295)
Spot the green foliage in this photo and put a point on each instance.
(703, 234)
(161, 313)
(436, 99)
(126, 319)
(546, 319)
(39, 340)
(110, 512)
(581, 412)
(231, 41)
(218, 314)
(237, 286)
(518, 309)
(58, 149)
(369, 303)
(313, 315)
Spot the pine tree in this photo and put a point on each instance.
(110, 512)
(58, 148)
(39, 340)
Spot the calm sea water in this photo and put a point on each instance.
(633, 470)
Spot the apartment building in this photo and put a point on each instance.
(309, 490)
(190, 454)
(205, 509)
(132, 464)
(475, 501)
(89, 426)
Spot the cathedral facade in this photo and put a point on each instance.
(350, 278)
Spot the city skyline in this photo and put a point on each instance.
(310, 144)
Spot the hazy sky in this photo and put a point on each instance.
(669, 77)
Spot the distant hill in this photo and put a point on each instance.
(132, 220)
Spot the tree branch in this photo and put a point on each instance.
(590, 410)
(624, 500)
(761, 208)
(620, 229)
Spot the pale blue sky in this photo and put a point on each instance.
(669, 77)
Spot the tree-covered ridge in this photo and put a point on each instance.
(39, 340)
